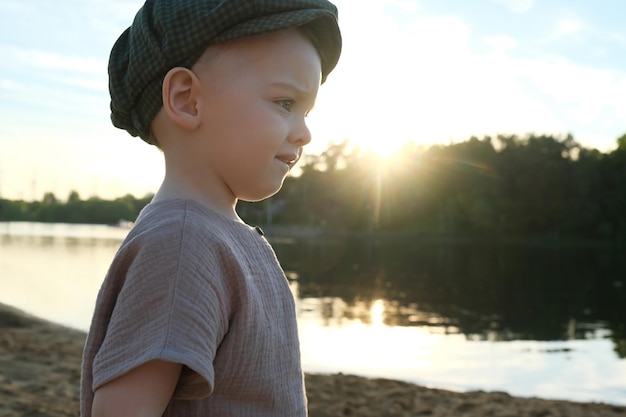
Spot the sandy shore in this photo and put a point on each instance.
(40, 374)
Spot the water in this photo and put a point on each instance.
(531, 321)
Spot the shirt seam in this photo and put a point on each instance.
(166, 344)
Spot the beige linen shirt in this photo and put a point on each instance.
(193, 287)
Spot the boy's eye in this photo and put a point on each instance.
(286, 104)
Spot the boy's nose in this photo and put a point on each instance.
(301, 134)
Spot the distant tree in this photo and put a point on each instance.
(73, 197)
(621, 142)
(49, 199)
(584, 213)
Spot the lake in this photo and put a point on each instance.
(531, 320)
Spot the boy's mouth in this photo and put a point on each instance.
(289, 159)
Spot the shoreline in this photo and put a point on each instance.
(289, 233)
(40, 375)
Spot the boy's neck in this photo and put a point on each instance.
(173, 188)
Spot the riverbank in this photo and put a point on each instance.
(40, 374)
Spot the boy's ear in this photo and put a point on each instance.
(181, 90)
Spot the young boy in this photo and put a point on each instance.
(195, 316)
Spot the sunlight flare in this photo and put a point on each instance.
(378, 313)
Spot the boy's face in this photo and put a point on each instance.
(255, 94)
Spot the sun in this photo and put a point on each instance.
(363, 127)
(383, 148)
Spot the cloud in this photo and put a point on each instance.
(410, 6)
(9, 85)
(516, 6)
(12, 8)
(38, 59)
(500, 43)
(50, 81)
(570, 26)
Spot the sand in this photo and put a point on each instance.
(40, 374)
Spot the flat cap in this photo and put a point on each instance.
(170, 33)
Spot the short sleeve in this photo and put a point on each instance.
(170, 307)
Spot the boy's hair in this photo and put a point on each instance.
(170, 33)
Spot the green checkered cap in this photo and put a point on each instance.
(170, 33)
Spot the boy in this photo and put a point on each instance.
(195, 316)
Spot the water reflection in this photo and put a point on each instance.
(396, 309)
(54, 271)
(496, 292)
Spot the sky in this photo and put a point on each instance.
(426, 71)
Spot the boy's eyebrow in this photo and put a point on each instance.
(301, 91)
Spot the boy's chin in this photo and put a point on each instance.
(259, 196)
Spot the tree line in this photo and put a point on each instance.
(73, 210)
(532, 185)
